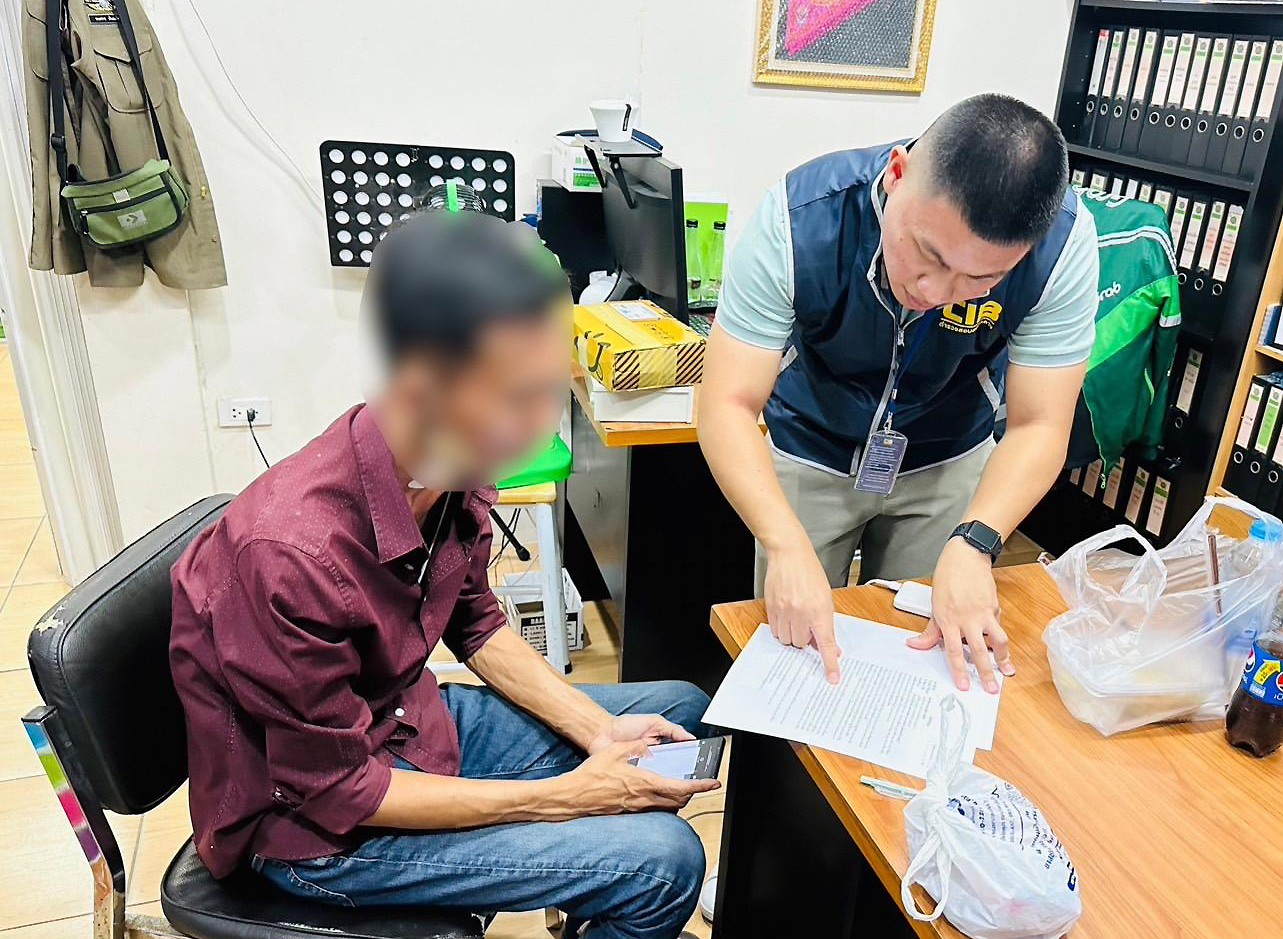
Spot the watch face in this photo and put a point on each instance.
(985, 537)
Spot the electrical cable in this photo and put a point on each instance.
(249, 419)
(302, 177)
(892, 585)
(707, 811)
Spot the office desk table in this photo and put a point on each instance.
(1173, 832)
(647, 526)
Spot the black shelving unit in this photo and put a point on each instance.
(1157, 169)
(1068, 515)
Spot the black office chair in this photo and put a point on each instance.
(111, 736)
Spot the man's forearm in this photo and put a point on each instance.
(1021, 470)
(509, 665)
(423, 801)
(740, 460)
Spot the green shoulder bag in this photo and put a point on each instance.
(128, 207)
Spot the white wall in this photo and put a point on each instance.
(402, 71)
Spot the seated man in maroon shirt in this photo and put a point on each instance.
(322, 753)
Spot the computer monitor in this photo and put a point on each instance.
(647, 236)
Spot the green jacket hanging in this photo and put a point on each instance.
(1137, 324)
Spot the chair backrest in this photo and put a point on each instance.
(100, 656)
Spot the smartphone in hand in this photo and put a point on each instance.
(684, 759)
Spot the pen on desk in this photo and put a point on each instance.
(887, 788)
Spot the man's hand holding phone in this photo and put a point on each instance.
(608, 783)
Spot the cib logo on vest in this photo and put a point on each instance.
(968, 317)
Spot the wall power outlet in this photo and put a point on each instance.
(232, 411)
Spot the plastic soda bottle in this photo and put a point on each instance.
(1254, 721)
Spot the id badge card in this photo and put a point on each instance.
(881, 462)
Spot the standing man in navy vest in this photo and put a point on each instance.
(872, 309)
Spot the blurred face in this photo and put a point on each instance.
(932, 258)
(479, 416)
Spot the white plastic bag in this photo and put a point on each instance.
(985, 853)
(1162, 636)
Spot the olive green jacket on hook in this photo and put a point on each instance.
(108, 132)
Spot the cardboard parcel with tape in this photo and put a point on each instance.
(641, 364)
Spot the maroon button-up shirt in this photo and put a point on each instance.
(300, 633)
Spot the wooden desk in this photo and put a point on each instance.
(1173, 832)
(647, 526)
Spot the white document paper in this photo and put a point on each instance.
(885, 709)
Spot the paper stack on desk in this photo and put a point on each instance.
(674, 405)
(884, 710)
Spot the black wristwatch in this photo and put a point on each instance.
(981, 537)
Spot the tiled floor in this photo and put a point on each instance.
(44, 882)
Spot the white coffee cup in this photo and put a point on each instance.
(614, 119)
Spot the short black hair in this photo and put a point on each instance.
(438, 279)
(1004, 165)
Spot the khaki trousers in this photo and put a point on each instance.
(899, 535)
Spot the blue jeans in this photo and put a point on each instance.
(633, 876)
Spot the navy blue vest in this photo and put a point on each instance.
(835, 378)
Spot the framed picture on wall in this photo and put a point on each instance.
(874, 44)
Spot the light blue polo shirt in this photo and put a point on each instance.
(756, 304)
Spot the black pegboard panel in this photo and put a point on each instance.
(368, 186)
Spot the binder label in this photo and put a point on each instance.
(1254, 66)
(1191, 234)
(1098, 181)
(1113, 485)
(1163, 197)
(1146, 191)
(1248, 420)
(1111, 67)
(1117, 188)
(1181, 69)
(1214, 69)
(1132, 186)
(1271, 84)
(1232, 78)
(1233, 218)
(1076, 475)
(1208, 253)
(1098, 66)
(1278, 450)
(1146, 64)
(1137, 495)
(1158, 506)
(1164, 74)
(1129, 63)
(1265, 426)
(1078, 176)
(1196, 73)
(1178, 218)
(1091, 479)
(1189, 380)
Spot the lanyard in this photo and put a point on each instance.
(903, 361)
(432, 547)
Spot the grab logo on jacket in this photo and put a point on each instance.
(968, 317)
